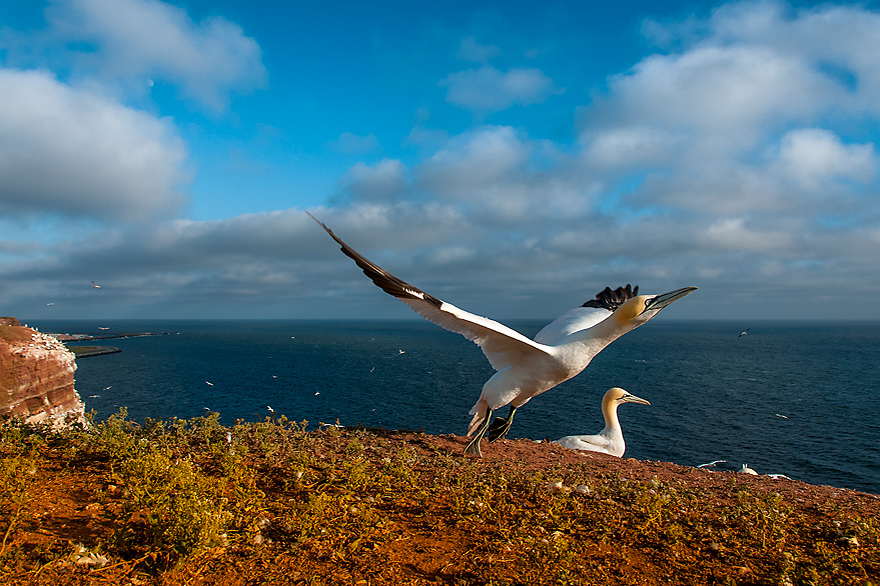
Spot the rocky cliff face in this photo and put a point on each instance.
(36, 377)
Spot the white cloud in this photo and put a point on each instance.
(470, 50)
(72, 152)
(726, 98)
(626, 146)
(474, 161)
(488, 90)
(384, 182)
(733, 234)
(738, 119)
(814, 157)
(138, 39)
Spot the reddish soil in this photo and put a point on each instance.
(433, 544)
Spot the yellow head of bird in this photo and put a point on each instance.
(632, 309)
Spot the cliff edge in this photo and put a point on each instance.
(36, 377)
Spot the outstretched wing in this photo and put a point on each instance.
(586, 316)
(502, 345)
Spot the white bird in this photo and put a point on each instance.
(610, 439)
(744, 333)
(95, 285)
(209, 384)
(746, 470)
(270, 409)
(712, 463)
(526, 368)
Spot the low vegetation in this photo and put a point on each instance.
(195, 502)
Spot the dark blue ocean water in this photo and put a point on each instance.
(714, 395)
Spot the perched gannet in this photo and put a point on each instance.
(610, 439)
(525, 367)
(746, 470)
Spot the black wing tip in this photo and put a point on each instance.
(392, 285)
(612, 299)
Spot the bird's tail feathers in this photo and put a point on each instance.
(480, 410)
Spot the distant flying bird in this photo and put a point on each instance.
(712, 463)
(209, 384)
(270, 409)
(50, 304)
(610, 439)
(95, 285)
(744, 333)
(782, 416)
(100, 328)
(525, 367)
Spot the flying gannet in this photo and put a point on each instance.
(610, 439)
(525, 367)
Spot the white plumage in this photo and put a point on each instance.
(610, 439)
(526, 368)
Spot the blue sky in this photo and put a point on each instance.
(511, 159)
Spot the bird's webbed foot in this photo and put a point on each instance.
(473, 446)
(500, 427)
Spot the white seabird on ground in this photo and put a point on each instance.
(610, 439)
(746, 470)
(526, 368)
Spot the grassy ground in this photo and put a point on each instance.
(193, 502)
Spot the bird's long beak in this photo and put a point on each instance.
(634, 399)
(664, 299)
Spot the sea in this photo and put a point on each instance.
(800, 399)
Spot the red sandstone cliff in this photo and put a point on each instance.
(36, 377)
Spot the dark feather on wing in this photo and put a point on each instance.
(611, 300)
(382, 278)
